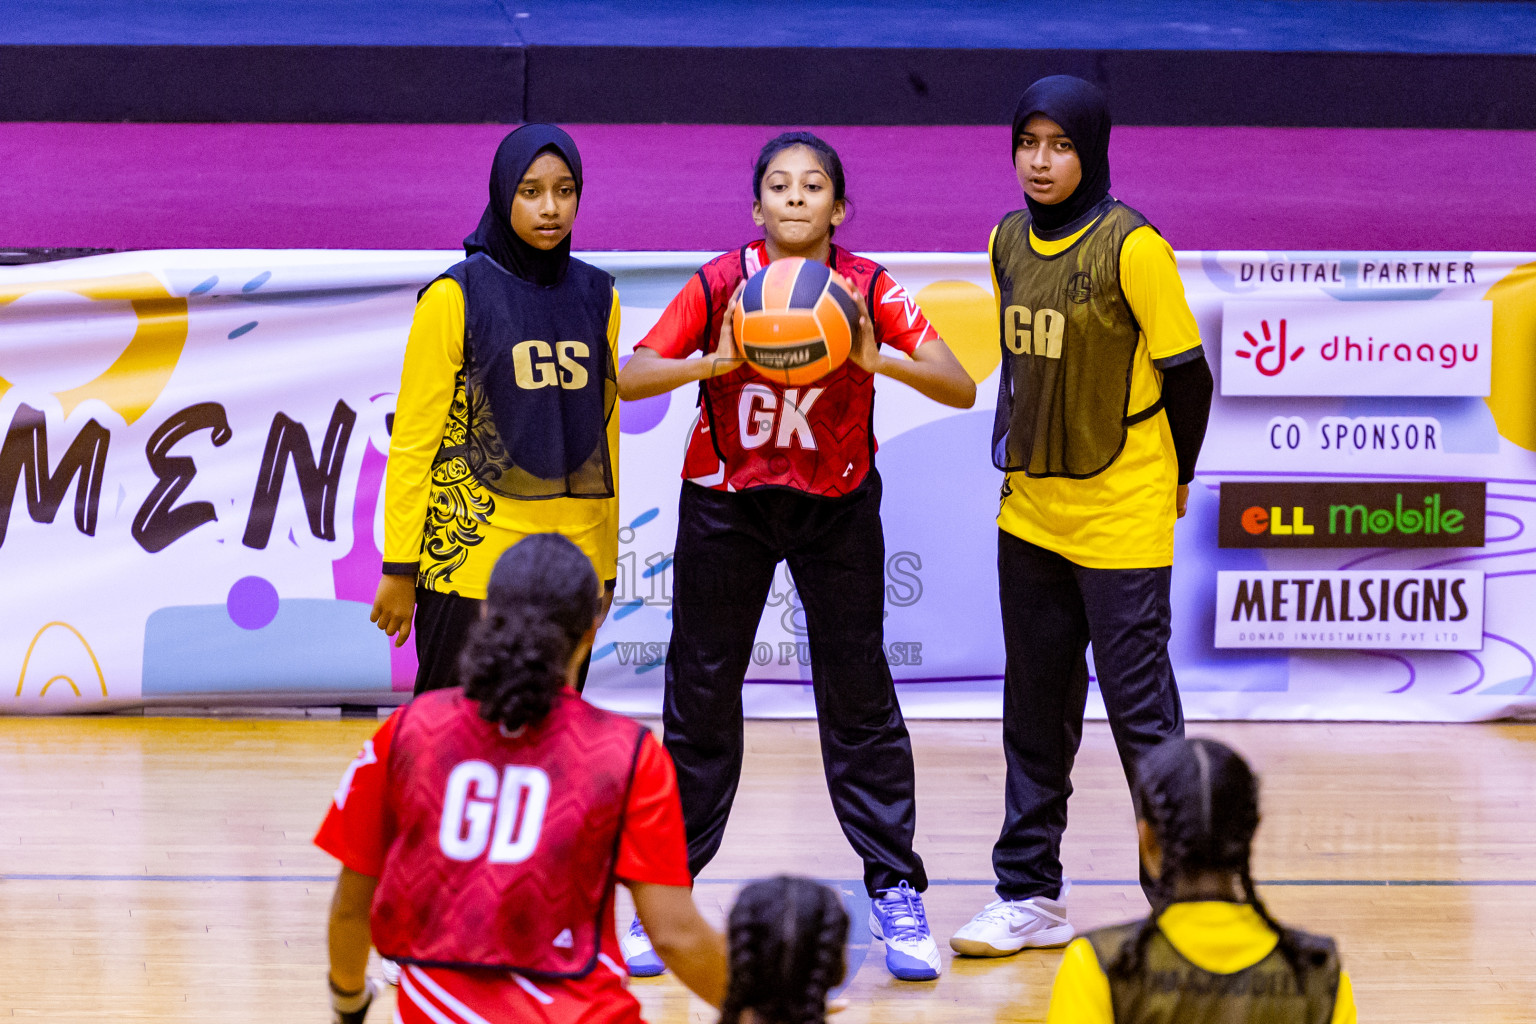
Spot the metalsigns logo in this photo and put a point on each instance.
(1361, 610)
(1285, 514)
(1297, 347)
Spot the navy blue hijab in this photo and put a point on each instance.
(1083, 113)
(495, 236)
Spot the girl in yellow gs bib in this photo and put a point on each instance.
(505, 423)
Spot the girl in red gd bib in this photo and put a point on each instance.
(482, 829)
(804, 491)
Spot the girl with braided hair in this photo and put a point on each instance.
(786, 939)
(482, 830)
(1210, 951)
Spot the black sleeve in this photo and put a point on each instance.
(1187, 389)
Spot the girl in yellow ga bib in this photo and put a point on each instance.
(1104, 393)
(1209, 951)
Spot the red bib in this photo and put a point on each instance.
(504, 846)
(753, 432)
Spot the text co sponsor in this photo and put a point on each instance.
(1342, 435)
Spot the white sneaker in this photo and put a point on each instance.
(390, 970)
(1006, 926)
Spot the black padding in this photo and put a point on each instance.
(405, 84)
(753, 85)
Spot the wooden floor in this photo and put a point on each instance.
(159, 869)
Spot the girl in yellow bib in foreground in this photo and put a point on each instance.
(1210, 953)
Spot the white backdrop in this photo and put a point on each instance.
(192, 467)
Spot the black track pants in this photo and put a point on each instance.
(1052, 609)
(728, 546)
(442, 629)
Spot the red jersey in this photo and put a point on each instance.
(755, 432)
(503, 842)
(652, 848)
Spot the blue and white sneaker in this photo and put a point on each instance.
(639, 957)
(897, 918)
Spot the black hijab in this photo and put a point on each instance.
(495, 236)
(1083, 113)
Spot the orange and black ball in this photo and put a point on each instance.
(795, 322)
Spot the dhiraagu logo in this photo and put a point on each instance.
(1271, 355)
(1326, 347)
(1365, 514)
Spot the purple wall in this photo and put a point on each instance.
(686, 187)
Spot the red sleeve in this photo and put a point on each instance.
(684, 324)
(354, 829)
(654, 847)
(898, 321)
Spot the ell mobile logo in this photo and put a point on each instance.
(1410, 514)
(1392, 349)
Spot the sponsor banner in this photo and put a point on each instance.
(1355, 514)
(1289, 348)
(1362, 610)
(194, 448)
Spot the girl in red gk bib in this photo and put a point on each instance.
(482, 830)
(776, 473)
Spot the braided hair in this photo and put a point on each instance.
(1201, 800)
(786, 939)
(543, 598)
